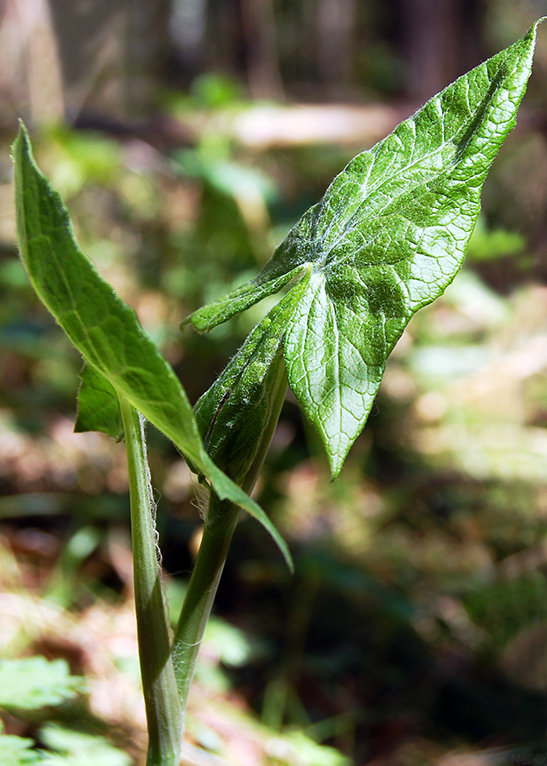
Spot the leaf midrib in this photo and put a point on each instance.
(394, 197)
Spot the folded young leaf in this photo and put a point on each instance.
(104, 329)
(237, 415)
(387, 238)
(208, 317)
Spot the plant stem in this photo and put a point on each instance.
(218, 529)
(219, 526)
(163, 712)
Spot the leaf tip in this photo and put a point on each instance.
(336, 463)
(22, 126)
(285, 552)
(196, 321)
(532, 32)
(22, 140)
(228, 490)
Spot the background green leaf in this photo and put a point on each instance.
(32, 683)
(18, 751)
(75, 748)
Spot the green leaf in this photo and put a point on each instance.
(18, 751)
(98, 405)
(238, 414)
(32, 683)
(103, 328)
(75, 748)
(387, 238)
(204, 319)
(307, 752)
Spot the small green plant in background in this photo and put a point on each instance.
(31, 685)
(387, 238)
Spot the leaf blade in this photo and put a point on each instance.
(103, 328)
(387, 238)
(98, 405)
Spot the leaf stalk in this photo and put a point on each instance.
(217, 535)
(220, 523)
(163, 710)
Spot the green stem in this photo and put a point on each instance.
(163, 711)
(218, 529)
(219, 526)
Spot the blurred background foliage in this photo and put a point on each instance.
(186, 138)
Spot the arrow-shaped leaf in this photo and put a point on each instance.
(387, 238)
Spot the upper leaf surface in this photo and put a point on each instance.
(387, 238)
(104, 329)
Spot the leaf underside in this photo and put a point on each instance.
(119, 356)
(98, 405)
(237, 414)
(387, 238)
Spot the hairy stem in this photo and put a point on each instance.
(163, 711)
(217, 534)
(219, 526)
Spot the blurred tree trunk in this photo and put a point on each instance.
(225, 51)
(111, 52)
(30, 78)
(147, 50)
(439, 39)
(335, 25)
(259, 28)
(188, 27)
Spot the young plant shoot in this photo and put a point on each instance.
(386, 239)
